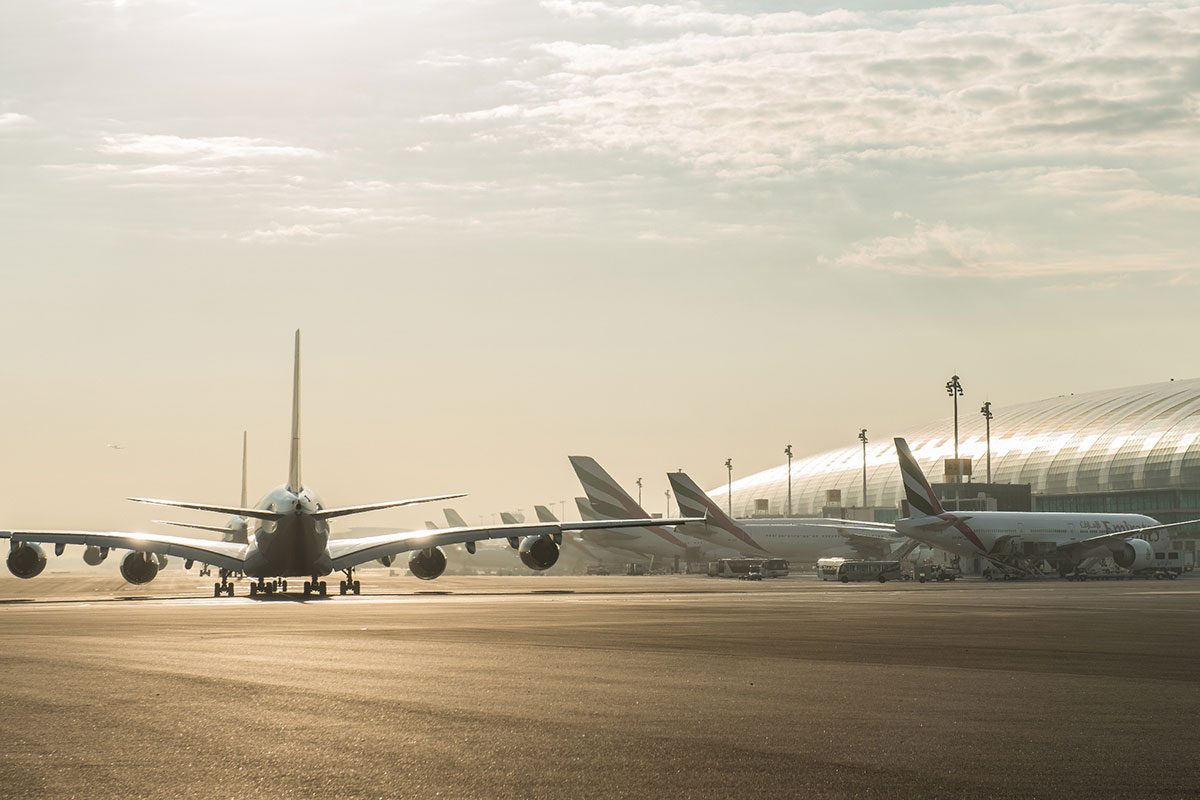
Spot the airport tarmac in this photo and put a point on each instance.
(557, 687)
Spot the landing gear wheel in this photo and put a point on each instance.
(357, 587)
(883, 579)
(217, 590)
(307, 588)
(253, 589)
(283, 586)
(229, 590)
(341, 587)
(271, 588)
(321, 588)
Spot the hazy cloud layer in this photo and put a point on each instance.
(1015, 140)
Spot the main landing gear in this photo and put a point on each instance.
(315, 587)
(225, 587)
(349, 585)
(267, 587)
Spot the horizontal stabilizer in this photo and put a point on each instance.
(214, 528)
(330, 513)
(256, 513)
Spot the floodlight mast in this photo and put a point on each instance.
(986, 411)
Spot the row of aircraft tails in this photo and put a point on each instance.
(286, 534)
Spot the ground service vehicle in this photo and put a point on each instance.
(846, 570)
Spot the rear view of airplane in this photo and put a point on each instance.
(291, 537)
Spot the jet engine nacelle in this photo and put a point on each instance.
(139, 568)
(26, 560)
(387, 561)
(538, 552)
(94, 556)
(427, 564)
(1134, 555)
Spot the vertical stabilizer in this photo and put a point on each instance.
(294, 460)
(920, 495)
(454, 518)
(243, 503)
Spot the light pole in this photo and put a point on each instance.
(667, 494)
(955, 390)
(986, 410)
(862, 437)
(639, 485)
(729, 490)
(787, 451)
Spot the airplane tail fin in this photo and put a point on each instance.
(585, 509)
(693, 501)
(918, 492)
(294, 459)
(243, 503)
(544, 514)
(454, 518)
(508, 518)
(608, 500)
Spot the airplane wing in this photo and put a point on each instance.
(1105, 538)
(228, 555)
(870, 543)
(352, 552)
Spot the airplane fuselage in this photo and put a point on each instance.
(294, 545)
(989, 533)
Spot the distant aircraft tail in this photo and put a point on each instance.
(694, 502)
(294, 457)
(509, 518)
(454, 518)
(918, 492)
(544, 514)
(608, 500)
(585, 509)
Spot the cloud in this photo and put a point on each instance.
(214, 148)
(939, 249)
(11, 120)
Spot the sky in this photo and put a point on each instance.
(659, 234)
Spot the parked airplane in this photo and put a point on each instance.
(236, 528)
(292, 537)
(803, 540)
(1021, 539)
(608, 500)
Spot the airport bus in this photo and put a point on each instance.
(776, 568)
(847, 569)
(739, 567)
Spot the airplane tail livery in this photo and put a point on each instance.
(917, 490)
(698, 504)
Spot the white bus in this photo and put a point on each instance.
(739, 567)
(846, 570)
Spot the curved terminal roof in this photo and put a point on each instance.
(1144, 437)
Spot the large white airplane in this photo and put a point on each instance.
(291, 537)
(1022, 539)
(608, 500)
(804, 540)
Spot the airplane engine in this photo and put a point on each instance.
(538, 552)
(26, 560)
(387, 561)
(162, 561)
(139, 568)
(94, 556)
(1134, 555)
(427, 564)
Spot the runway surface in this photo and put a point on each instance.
(677, 686)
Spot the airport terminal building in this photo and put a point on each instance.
(1133, 450)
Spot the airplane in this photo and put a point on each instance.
(1020, 540)
(608, 500)
(237, 527)
(801, 539)
(291, 537)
